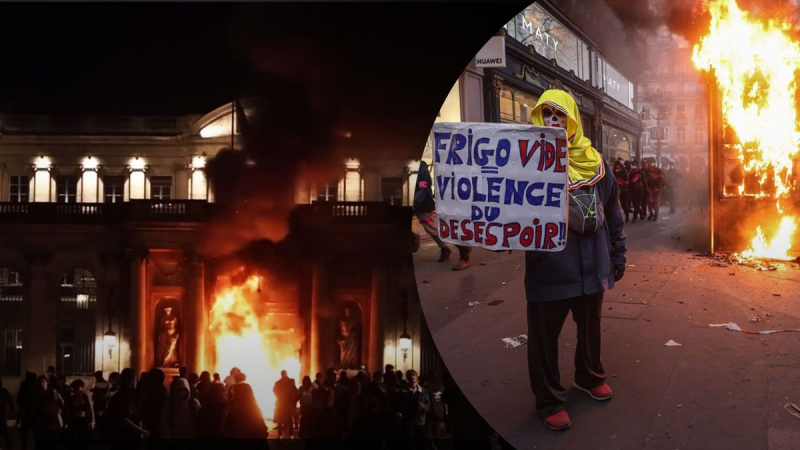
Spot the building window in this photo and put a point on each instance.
(681, 112)
(698, 111)
(328, 192)
(392, 190)
(681, 135)
(352, 183)
(19, 189)
(161, 188)
(698, 135)
(113, 188)
(666, 133)
(11, 296)
(507, 106)
(66, 189)
(515, 106)
(77, 334)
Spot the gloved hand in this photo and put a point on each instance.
(619, 272)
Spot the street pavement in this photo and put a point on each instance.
(719, 390)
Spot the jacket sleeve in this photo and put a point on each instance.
(615, 221)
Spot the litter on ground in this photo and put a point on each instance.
(672, 343)
(513, 342)
(733, 327)
(792, 409)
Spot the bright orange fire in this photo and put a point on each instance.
(250, 336)
(755, 64)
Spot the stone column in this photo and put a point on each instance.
(196, 323)
(319, 291)
(41, 326)
(138, 310)
(376, 338)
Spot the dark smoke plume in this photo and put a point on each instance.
(291, 136)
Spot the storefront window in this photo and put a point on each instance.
(619, 144)
(516, 106)
(534, 26)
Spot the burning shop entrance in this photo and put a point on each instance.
(752, 71)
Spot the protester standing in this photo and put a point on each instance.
(179, 418)
(6, 408)
(621, 175)
(421, 404)
(29, 398)
(425, 209)
(285, 391)
(654, 182)
(214, 409)
(575, 278)
(636, 191)
(244, 419)
(645, 195)
(78, 412)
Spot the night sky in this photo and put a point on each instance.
(110, 58)
(382, 69)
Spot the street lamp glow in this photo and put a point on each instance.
(137, 163)
(405, 342)
(352, 164)
(43, 162)
(110, 340)
(198, 162)
(89, 163)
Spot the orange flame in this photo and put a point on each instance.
(755, 64)
(249, 337)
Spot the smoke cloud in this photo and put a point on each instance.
(291, 136)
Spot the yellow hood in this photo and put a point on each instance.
(585, 163)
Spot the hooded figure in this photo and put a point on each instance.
(621, 174)
(636, 191)
(423, 193)
(654, 181)
(586, 166)
(575, 278)
(179, 418)
(425, 209)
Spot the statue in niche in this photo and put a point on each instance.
(167, 345)
(349, 340)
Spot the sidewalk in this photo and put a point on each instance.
(720, 389)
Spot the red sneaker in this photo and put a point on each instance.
(558, 421)
(602, 392)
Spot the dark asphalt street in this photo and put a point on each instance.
(720, 389)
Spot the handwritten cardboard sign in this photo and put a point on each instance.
(501, 187)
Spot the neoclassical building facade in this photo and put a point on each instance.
(100, 224)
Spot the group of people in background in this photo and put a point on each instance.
(643, 188)
(386, 404)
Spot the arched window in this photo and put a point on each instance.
(11, 297)
(76, 337)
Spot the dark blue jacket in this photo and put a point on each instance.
(586, 265)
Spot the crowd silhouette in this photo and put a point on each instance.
(386, 404)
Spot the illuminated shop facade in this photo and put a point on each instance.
(545, 50)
